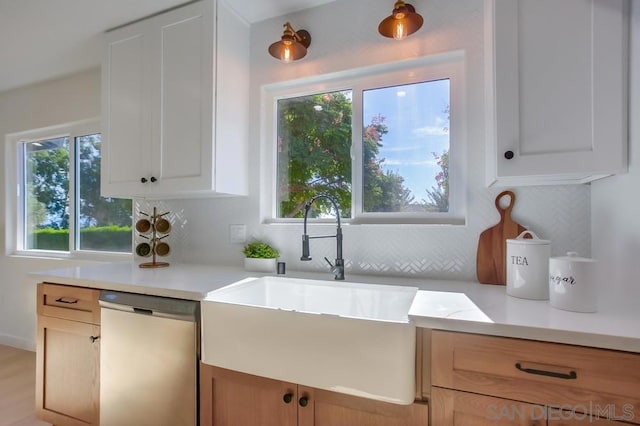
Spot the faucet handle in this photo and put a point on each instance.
(333, 267)
(337, 269)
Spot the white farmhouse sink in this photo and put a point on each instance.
(339, 336)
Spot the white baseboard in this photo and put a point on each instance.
(17, 342)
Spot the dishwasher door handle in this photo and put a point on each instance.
(186, 316)
(125, 308)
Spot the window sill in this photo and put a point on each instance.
(401, 221)
(381, 221)
(89, 256)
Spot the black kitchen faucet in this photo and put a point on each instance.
(338, 268)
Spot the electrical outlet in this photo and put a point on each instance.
(237, 234)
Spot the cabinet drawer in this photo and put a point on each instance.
(68, 302)
(552, 374)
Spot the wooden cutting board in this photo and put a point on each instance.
(492, 244)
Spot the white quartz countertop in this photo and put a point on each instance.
(181, 281)
(444, 305)
(487, 309)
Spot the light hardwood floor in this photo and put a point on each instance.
(17, 387)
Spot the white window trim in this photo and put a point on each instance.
(449, 65)
(14, 242)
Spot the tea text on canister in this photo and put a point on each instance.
(519, 260)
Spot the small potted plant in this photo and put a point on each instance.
(260, 257)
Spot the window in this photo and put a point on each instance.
(58, 207)
(405, 148)
(386, 143)
(314, 145)
(45, 191)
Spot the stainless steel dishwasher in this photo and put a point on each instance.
(148, 360)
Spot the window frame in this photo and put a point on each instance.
(15, 243)
(449, 65)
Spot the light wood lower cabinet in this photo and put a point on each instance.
(67, 357)
(229, 398)
(482, 379)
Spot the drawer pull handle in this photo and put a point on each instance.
(67, 300)
(93, 338)
(571, 375)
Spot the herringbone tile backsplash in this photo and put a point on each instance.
(200, 234)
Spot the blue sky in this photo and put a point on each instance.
(417, 126)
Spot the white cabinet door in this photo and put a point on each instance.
(557, 95)
(167, 131)
(183, 99)
(126, 111)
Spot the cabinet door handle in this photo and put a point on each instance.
(143, 180)
(153, 179)
(508, 155)
(567, 376)
(304, 401)
(67, 300)
(287, 398)
(93, 338)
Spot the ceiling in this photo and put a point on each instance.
(44, 39)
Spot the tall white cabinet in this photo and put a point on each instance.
(176, 103)
(556, 90)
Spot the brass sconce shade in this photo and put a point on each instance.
(402, 22)
(292, 46)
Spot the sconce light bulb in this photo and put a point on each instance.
(287, 52)
(400, 30)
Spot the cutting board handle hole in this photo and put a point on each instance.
(505, 200)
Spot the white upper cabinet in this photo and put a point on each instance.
(556, 90)
(171, 126)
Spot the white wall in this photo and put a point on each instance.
(72, 98)
(615, 204)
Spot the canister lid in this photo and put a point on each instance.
(572, 256)
(530, 240)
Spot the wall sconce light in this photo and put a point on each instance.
(402, 22)
(292, 46)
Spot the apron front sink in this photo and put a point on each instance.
(345, 337)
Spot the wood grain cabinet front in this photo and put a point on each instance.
(570, 384)
(229, 398)
(68, 355)
(68, 302)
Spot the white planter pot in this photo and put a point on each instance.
(260, 265)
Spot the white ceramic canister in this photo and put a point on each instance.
(571, 283)
(528, 266)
